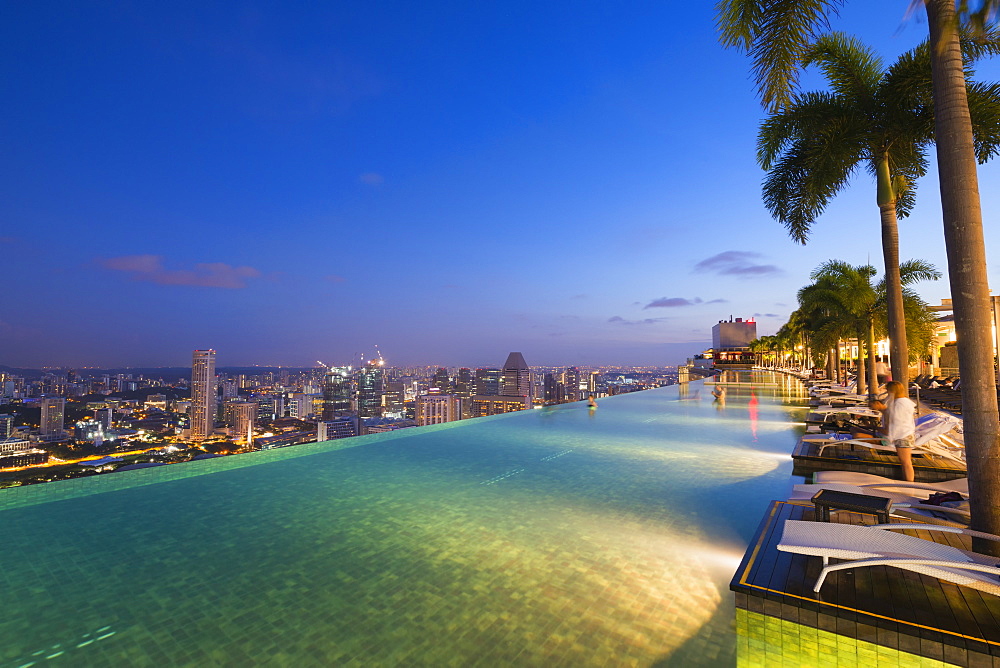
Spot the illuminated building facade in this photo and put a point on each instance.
(483, 406)
(555, 392)
(53, 417)
(242, 415)
(515, 381)
(341, 427)
(572, 381)
(465, 385)
(441, 381)
(371, 388)
(731, 343)
(438, 408)
(204, 400)
(488, 382)
(336, 392)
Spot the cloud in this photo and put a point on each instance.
(646, 321)
(736, 263)
(333, 278)
(7, 240)
(150, 268)
(579, 297)
(766, 315)
(672, 302)
(718, 301)
(371, 179)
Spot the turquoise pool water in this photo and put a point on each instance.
(550, 537)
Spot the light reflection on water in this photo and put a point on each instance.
(551, 536)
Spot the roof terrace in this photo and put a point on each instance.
(562, 536)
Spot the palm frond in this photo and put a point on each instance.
(984, 108)
(738, 22)
(851, 68)
(913, 271)
(774, 34)
(799, 187)
(808, 115)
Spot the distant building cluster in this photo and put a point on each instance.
(69, 415)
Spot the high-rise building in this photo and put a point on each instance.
(516, 378)
(104, 416)
(594, 382)
(483, 406)
(203, 394)
(242, 416)
(229, 390)
(53, 417)
(302, 405)
(555, 392)
(464, 384)
(336, 392)
(488, 382)
(341, 427)
(394, 404)
(572, 381)
(6, 426)
(438, 408)
(441, 381)
(371, 387)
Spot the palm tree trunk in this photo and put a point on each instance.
(963, 234)
(872, 372)
(831, 363)
(837, 361)
(899, 355)
(862, 387)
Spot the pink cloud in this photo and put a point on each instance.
(333, 278)
(206, 275)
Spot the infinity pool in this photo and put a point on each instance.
(552, 537)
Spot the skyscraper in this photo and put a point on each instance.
(371, 387)
(516, 378)
(242, 417)
(488, 382)
(464, 385)
(336, 393)
(53, 417)
(441, 381)
(555, 392)
(572, 382)
(203, 394)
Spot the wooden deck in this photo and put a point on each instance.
(885, 606)
(926, 468)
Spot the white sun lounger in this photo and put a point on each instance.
(960, 485)
(908, 500)
(863, 546)
(926, 439)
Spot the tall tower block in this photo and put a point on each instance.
(203, 394)
(515, 380)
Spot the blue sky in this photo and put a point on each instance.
(286, 182)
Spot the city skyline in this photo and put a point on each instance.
(290, 184)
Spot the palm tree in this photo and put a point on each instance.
(851, 302)
(776, 34)
(843, 303)
(918, 319)
(878, 117)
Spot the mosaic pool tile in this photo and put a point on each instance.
(555, 537)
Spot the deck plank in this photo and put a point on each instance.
(911, 611)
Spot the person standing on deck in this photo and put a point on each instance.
(898, 424)
(881, 371)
